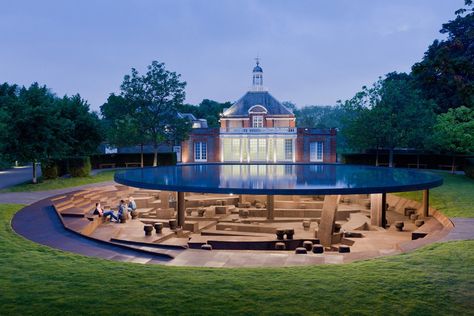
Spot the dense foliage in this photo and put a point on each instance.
(207, 109)
(38, 125)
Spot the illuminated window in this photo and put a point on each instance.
(288, 149)
(316, 151)
(257, 121)
(200, 151)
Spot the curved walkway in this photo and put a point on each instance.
(40, 223)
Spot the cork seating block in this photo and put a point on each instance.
(221, 209)
(399, 225)
(301, 251)
(289, 233)
(173, 224)
(280, 246)
(306, 225)
(148, 229)
(244, 205)
(280, 233)
(165, 213)
(143, 201)
(210, 212)
(143, 211)
(308, 245)
(419, 222)
(252, 228)
(244, 213)
(344, 249)
(317, 248)
(191, 226)
(409, 211)
(413, 217)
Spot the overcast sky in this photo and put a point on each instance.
(312, 52)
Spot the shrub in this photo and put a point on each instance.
(49, 169)
(469, 167)
(79, 166)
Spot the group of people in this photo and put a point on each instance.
(123, 210)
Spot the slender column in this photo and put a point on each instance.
(384, 209)
(378, 209)
(180, 209)
(426, 203)
(328, 218)
(270, 207)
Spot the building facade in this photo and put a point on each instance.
(258, 128)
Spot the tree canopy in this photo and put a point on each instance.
(446, 73)
(390, 114)
(153, 100)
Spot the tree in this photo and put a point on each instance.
(319, 116)
(86, 133)
(454, 132)
(122, 125)
(390, 114)
(446, 73)
(37, 130)
(155, 96)
(8, 99)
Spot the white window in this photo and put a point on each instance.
(200, 151)
(257, 121)
(316, 151)
(288, 149)
(258, 149)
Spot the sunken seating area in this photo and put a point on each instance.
(237, 222)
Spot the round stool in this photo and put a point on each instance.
(419, 222)
(308, 245)
(344, 249)
(148, 229)
(134, 214)
(280, 246)
(318, 248)
(289, 233)
(300, 251)
(158, 227)
(280, 234)
(399, 225)
(173, 224)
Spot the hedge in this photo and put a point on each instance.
(75, 166)
(119, 160)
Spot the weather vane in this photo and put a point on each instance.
(257, 59)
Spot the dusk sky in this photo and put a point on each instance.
(312, 52)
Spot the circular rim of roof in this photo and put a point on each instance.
(433, 181)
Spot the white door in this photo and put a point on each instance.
(316, 151)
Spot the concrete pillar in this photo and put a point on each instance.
(270, 207)
(426, 203)
(180, 209)
(378, 209)
(328, 218)
(165, 199)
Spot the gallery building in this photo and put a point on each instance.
(258, 128)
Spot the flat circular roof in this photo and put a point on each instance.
(283, 179)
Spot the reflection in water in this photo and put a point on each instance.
(274, 176)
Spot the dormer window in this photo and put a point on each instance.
(257, 121)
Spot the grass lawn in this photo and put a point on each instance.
(455, 198)
(34, 279)
(61, 183)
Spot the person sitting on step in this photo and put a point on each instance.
(101, 212)
(122, 210)
(132, 205)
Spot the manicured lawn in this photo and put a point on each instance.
(436, 280)
(61, 183)
(455, 198)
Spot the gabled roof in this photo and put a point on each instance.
(252, 98)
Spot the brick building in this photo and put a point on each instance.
(258, 128)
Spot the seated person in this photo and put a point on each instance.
(122, 210)
(101, 212)
(132, 206)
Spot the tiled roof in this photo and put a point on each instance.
(251, 98)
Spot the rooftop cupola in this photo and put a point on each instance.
(257, 80)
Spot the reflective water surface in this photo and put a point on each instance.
(278, 178)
